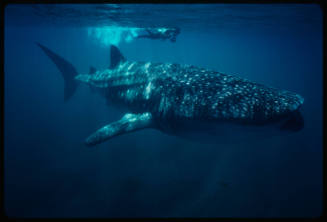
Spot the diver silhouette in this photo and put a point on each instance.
(161, 33)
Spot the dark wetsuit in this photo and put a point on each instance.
(153, 33)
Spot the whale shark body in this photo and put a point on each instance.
(175, 98)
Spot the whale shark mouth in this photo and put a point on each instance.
(294, 122)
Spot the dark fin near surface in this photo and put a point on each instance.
(67, 69)
(115, 57)
(294, 123)
(92, 70)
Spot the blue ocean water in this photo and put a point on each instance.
(49, 172)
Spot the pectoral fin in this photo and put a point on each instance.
(128, 123)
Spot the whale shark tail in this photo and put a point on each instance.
(66, 68)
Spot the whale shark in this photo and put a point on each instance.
(178, 98)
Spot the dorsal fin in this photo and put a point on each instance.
(92, 70)
(115, 57)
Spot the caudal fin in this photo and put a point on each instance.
(67, 69)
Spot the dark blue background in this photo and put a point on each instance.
(50, 173)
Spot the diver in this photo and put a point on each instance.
(161, 33)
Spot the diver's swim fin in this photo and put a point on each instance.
(67, 69)
(128, 123)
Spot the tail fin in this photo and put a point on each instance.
(68, 71)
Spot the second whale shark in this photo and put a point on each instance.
(175, 98)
